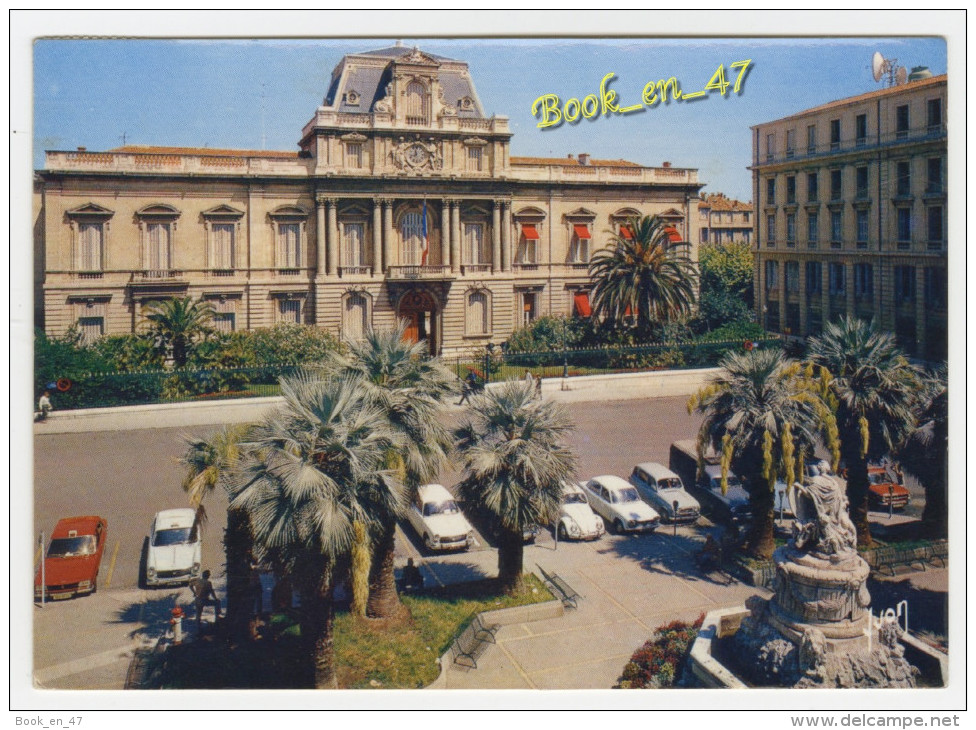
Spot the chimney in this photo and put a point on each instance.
(584, 158)
(82, 149)
(665, 164)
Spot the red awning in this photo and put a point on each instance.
(673, 235)
(582, 301)
(530, 233)
(581, 231)
(626, 232)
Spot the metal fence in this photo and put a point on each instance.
(107, 389)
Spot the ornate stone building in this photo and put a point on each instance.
(850, 207)
(401, 201)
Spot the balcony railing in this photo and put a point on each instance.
(355, 270)
(475, 268)
(417, 271)
(158, 275)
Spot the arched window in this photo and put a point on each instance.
(476, 314)
(418, 104)
(412, 239)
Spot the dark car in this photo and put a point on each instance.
(73, 558)
(487, 523)
(705, 483)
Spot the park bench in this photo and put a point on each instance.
(565, 592)
(891, 557)
(937, 551)
(473, 641)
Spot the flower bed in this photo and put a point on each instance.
(659, 663)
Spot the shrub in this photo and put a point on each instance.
(660, 662)
(289, 344)
(124, 353)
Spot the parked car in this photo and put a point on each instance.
(488, 525)
(662, 488)
(173, 555)
(73, 558)
(706, 483)
(884, 491)
(576, 520)
(733, 506)
(438, 519)
(619, 503)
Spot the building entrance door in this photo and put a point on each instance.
(420, 312)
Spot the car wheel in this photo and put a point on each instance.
(563, 535)
(618, 527)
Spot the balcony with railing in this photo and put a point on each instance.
(412, 272)
(479, 268)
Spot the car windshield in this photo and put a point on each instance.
(669, 483)
(447, 507)
(878, 478)
(625, 495)
(731, 481)
(176, 536)
(574, 498)
(67, 547)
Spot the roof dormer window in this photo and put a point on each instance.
(351, 98)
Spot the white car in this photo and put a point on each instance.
(576, 520)
(438, 520)
(661, 488)
(174, 548)
(620, 505)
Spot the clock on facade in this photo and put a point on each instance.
(416, 155)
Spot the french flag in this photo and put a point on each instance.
(423, 229)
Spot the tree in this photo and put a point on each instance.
(875, 389)
(409, 389)
(761, 413)
(176, 324)
(514, 464)
(311, 470)
(925, 453)
(210, 464)
(648, 276)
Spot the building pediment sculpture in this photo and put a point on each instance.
(415, 155)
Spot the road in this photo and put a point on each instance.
(128, 476)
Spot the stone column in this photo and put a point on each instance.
(496, 236)
(455, 236)
(506, 236)
(445, 233)
(320, 237)
(333, 242)
(387, 234)
(377, 238)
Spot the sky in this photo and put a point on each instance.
(259, 93)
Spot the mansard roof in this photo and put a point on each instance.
(369, 72)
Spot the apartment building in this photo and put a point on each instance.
(724, 220)
(850, 208)
(402, 201)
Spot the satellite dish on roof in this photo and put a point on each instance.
(886, 67)
(877, 65)
(901, 75)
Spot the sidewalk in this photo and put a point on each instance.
(625, 386)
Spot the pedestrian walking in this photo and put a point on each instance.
(203, 596)
(43, 406)
(538, 386)
(468, 387)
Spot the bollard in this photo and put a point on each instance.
(177, 623)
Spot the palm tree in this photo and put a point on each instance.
(875, 388)
(312, 470)
(648, 275)
(925, 453)
(175, 324)
(761, 414)
(515, 462)
(210, 464)
(410, 389)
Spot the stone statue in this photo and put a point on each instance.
(822, 524)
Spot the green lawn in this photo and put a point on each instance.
(392, 655)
